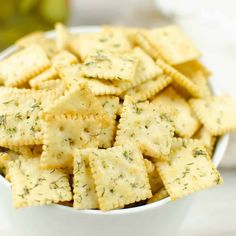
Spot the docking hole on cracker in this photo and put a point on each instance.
(108, 120)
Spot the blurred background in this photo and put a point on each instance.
(211, 25)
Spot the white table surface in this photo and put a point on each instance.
(214, 211)
(212, 214)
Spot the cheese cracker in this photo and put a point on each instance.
(120, 176)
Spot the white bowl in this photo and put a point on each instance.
(159, 218)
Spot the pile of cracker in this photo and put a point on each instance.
(106, 120)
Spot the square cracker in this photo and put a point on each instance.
(11, 90)
(105, 65)
(49, 46)
(193, 69)
(203, 86)
(188, 170)
(60, 59)
(110, 105)
(20, 122)
(64, 133)
(185, 122)
(30, 38)
(181, 80)
(20, 129)
(56, 85)
(140, 39)
(77, 101)
(207, 139)
(149, 127)
(149, 88)
(47, 75)
(120, 176)
(71, 76)
(172, 44)
(32, 186)
(159, 195)
(198, 74)
(62, 36)
(107, 135)
(27, 63)
(153, 176)
(25, 102)
(85, 196)
(80, 101)
(218, 114)
(64, 58)
(4, 163)
(146, 70)
(28, 151)
(110, 40)
(129, 33)
(39, 38)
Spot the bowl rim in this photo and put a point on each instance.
(219, 151)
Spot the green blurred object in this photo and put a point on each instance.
(53, 10)
(20, 17)
(26, 6)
